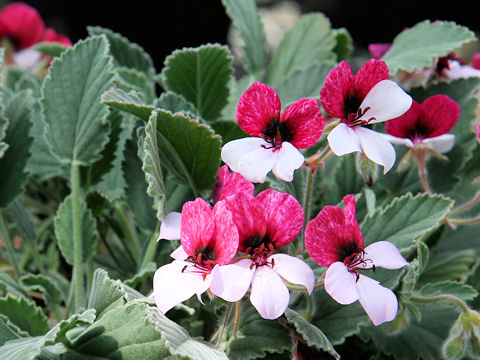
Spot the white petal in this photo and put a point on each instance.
(341, 284)
(294, 270)
(170, 228)
(269, 295)
(207, 282)
(376, 148)
(248, 157)
(442, 144)
(231, 282)
(27, 59)
(459, 71)
(385, 255)
(380, 303)
(179, 253)
(343, 140)
(289, 159)
(396, 140)
(172, 284)
(386, 101)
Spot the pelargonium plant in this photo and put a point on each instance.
(323, 205)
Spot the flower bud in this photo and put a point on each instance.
(455, 346)
(366, 168)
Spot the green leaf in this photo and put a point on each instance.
(246, 19)
(50, 48)
(12, 286)
(152, 167)
(448, 265)
(417, 266)
(312, 335)
(310, 41)
(405, 219)
(64, 230)
(9, 331)
(24, 314)
(455, 288)
(344, 46)
(131, 79)
(131, 102)
(201, 76)
(47, 287)
(228, 130)
(147, 271)
(18, 112)
(176, 103)
(125, 53)
(76, 128)
(416, 47)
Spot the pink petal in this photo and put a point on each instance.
(51, 35)
(304, 121)
(294, 270)
(386, 101)
(377, 50)
(197, 225)
(476, 61)
(179, 254)
(343, 140)
(336, 89)
(371, 73)
(379, 302)
(439, 114)
(170, 228)
(405, 125)
(269, 295)
(225, 239)
(227, 183)
(283, 215)
(441, 144)
(231, 282)
(22, 24)
(385, 255)
(351, 217)
(257, 107)
(288, 160)
(376, 148)
(341, 284)
(249, 157)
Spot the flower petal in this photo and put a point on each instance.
(288, 160)
(304, 121)
(225, 241)
(370, 74)
(257, 107)
(442, 143)
(21, 23)
(386, 101)
(179, 254)
(380, 303)
(376, 148)
(397, 140)
(231, 282)
(343, 140)
(269, 295)
(27, 59)
(197, 225)
(341, 284)
(170, 228)
(294, 270)
(377, 50)
(283, 216)
(336, 89)
(439, 114)
(385, 255)
(227, 184)
(249, 157)
(405, 125)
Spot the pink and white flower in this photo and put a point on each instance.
(453, 67)
(334, 240)
(426, 124)
(209, 238)
(362, 99)
(266, 222)
(276, 136)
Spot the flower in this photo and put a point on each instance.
(266, 222)
(333, 239)
(226, 184)
(377, 50)
(362, 99)
(209, 238)
(453, 67)
(276, 137)
(426, 124)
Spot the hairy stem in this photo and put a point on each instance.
(423, 171)
(9, 247)
(444, 297)
(78, 273)
(308, 200)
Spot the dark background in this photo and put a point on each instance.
(164, 25)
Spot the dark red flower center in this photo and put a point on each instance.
(444, 62)
(259, 248)
(276, 133)
(418, 133)
(354, 112)
(203, 261)
(353, 257)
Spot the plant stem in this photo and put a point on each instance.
(467, 205)
(132, 241)
(219, 333)
(237, 319)
(423, 171)
(9, 246)
(464, 221)
(308, 200)
(150, 252)
(78, 273)
(444, 297)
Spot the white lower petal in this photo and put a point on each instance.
(269, 295)
(442, 143)
(341, 284)
(27, 59)
(249, 157)
(231, 282)
(376, 148)
(179, 253)
(294, 270)
(174, 283)
(289, 159)
(170, 228)
(386, 101)
(343, 140)
(379, 302)
(207, 282)
(385, 255)
(396, 140)
(459, 71)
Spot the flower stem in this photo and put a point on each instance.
(423, 171)
(217, 337)
(9, 247)
(467, 205)
(463, 221)
(130, 236)
(444, 297)
(308, 200)
(237, 319)
(78, 274)
(150, 252)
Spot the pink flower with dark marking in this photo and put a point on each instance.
(377, 50)
(334, 240)
(226, 184)
(21, 25)
(357, 100)
(265, 223)
(426, 124)
(209, 239)
(276, 136)
(51, 35)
